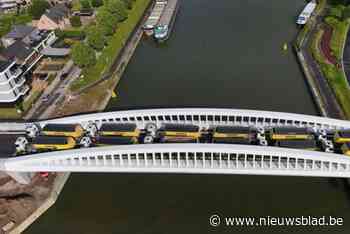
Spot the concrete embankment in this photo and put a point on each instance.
(312, 85)
(57, 187)
(321, 91)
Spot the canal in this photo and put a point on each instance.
(221, 54)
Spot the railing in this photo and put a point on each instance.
(187, 158)
(205, 118)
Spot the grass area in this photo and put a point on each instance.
(334, 75)
(27, 104)
(320, 6)
(76, 6)
(340, 30)
(9, 113)
(115, 44)
(51, 78)
(8, 20)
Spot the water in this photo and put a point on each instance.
(221, 54)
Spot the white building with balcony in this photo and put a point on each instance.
(17, 60)
(12, 84)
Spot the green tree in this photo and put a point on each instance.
(95, 37)
(128, 3)
(107, 21)
(85, 4)
(96, 3)
(83, 55)
(38, 8)
(346, 13)
(336, 11)
(117, 8)
(75, 21)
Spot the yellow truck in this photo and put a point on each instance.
(68, 130)
(179, 130)
(48, 143)
(290, 133)
(342, 137)
(117, 129)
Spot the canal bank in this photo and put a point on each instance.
(197, 68)
(60, 181)
(95, 96)
(108, 82)
(321, 91)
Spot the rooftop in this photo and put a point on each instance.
(57, 13)
(20, 31)
(4, 64)
(18, 50)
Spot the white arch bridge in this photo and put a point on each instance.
(183, 158)
(186, 158)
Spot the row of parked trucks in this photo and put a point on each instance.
(53, 137)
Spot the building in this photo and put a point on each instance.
(17, 59)
(19, 32)
(11, 5)
(56, 17)
(12, 84)
(8, 5)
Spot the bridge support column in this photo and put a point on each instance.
(21, 177)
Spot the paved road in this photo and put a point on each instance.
(329, 99)
(330, 102)
(7, 146)
(55, 94)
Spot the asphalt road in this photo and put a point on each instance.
(332, 107)
(7, 145)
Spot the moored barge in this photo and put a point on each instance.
(154, 17)
(167, 20)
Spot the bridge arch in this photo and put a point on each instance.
(205, 117)
(186, 158)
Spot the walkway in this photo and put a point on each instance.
(329, 100)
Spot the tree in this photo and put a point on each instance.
(346, 13)
(85, 4)
(83, 55)
(336, 11)
(117, 8)
(128, 3)
(38, 8)
(75, 21)
(96, 3)
(95, 37)
(107, 21)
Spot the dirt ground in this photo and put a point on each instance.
(18, 201)
(90, 100)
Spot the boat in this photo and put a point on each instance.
(306, 13)
(154, 17)
(166, 22)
